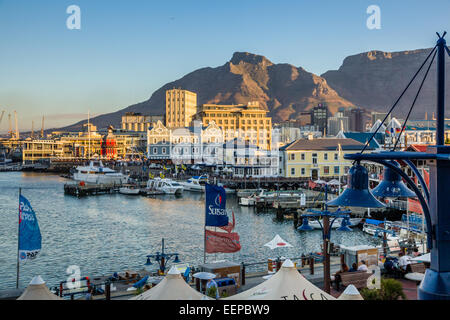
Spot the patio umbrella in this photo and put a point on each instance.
(425, 258)
(333, 182)
(204, 275)
(37, 290)
(350, 293)
(277, 242)
(320, 181)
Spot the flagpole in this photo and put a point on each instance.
(18, 239)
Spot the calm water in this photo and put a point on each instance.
(108, 233)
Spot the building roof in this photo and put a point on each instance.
(418, 147)
(363, 137)
(323, 144)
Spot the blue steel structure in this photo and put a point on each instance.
(436, 202)
(326, 228)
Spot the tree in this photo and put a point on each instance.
(390, 290)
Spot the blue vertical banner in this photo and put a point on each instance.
(30, 239)
(216, 212)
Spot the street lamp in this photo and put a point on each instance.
(436, 282)
(162, 258)
(326, 227)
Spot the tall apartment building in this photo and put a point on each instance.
(137, 122)
(319, 116)
(355, 119)
(181, 105)
(248, 122)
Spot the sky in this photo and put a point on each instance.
(125, 50)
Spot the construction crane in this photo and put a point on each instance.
(17, 126)
(10, 126)
(1, 117)
(42, 128)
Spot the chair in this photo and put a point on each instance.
(186, 274)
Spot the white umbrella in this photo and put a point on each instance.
(277, 242)
(286, 284)
(350, 293)
(333, 182)
(172, 287)
(204, 275)
(37, 290)
(320, 182)
(425, 258)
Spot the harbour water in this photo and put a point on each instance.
(108, 233)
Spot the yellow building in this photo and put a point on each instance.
(248, 122)
(35, 150)
(137, 122)
(181, 105)
(317, 158)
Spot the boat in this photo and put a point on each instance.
(353, 223)
(248, 201)
(195, 184)
(129, 190)
(246, 192)
(99, 174)
(167, 186)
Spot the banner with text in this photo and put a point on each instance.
(216, 212)
(222, 242)
(29, 232)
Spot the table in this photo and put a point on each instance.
(415, 276)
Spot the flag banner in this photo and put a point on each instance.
(29, 232)
(216, 212)
(230, 225)
(222, 242)
(414, 206)
(312, 184)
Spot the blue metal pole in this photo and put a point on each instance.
(436, 283)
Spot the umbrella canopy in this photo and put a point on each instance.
(172, 287)
(320, 182)
(424, 258)
(333, 182)
(350, 293)
(277, 242)
(37, 290)
(286, 284)
(204, 275)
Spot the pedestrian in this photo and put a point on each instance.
(363, 266)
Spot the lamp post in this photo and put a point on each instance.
(435, 204)
(326, 227)
(162, 258)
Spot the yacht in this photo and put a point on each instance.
(196, 184)
(167, 186)
(98, 174)
(129, 190)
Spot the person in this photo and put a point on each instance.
(337, 275)
(354, 267)
(211, 284)
(403, 262)
(89, 294)
(416, 252)
(363, 266)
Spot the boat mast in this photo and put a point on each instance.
(89, 137)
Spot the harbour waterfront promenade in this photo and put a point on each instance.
(112, 233)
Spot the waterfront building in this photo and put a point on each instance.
(181, 105)
(375, 116)
(38, 150)
(137, 122)
(246, 121)
(319, 116)
(317, 158)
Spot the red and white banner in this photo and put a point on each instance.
(414, 206)
(222, 242)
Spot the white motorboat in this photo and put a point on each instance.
(98, 174)
(196, 184)
(248, 201)
(129, 190)
(167, 186)
(353, 223)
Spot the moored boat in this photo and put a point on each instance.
(98, 174)
(167, 186)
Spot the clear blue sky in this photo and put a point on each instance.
(125, 50)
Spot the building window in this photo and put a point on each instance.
(155, 150)
(293, 171)
(163, 150)
(326, 170)
(303, 156)
(292, 156)
(325, 156)
(336, 156)
(303, 171)
(336, 170)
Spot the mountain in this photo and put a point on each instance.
(372, 80)
(375, 79)
(283, 89)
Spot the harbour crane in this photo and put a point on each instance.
(42, 128)
(1, 117)
(10, 126)
(17, 126)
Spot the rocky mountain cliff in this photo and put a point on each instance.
(372, 80)
(375, 79)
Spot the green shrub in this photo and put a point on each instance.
(390, 290)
